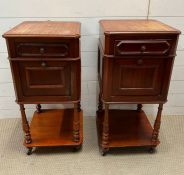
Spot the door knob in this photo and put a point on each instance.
(143, 48)
(43, 64)
(42, 50)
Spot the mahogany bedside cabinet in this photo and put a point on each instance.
(46, 69)
(135, 63)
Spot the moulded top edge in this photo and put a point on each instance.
(45, 29)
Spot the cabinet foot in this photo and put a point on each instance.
(30, 151)
(104, 151)
(151, 150)
(77, 148)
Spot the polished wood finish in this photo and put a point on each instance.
(45, 29)
(146, 26)
(105, 131)
(54, 128)
(127, 128)
(141, 47)
(135, 60)
(157, 124)
(76, 124)
(25, 125)
(26, 49)
(46, 67)
(29, 48)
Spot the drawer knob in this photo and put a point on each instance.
(143, 48)
(42, 50)
(139, 61)
(43, 64)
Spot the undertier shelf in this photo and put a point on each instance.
(54, 128)
(127, 128)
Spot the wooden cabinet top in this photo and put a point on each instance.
(139, 26)
(45, 29)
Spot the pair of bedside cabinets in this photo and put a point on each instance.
(135, 60)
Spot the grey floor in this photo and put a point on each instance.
(168, 159)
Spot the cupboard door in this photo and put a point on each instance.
(137, 77)
(47, 80)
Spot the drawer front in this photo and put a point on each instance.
(138, 77)
(47, 80)
(141, 47)
(140, 44)
(42, 49)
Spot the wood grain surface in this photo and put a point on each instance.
(45, 29)
(54, 128)
(111, 26)
(127, 128)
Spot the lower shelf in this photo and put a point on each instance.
(127, 128)
(54, 128)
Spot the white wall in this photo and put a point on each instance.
(89, 12)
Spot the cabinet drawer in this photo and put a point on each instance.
(27, 49)
(141, 47)
(43, 48)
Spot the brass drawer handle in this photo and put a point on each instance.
(139, 61)
(43, 64)
(42, 50)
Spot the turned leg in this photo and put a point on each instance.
(105, 134)
(25, 125)
(76, 124)
(100, 104)
(79, 106)
(139, 107)
(38, 108)
(157, 124)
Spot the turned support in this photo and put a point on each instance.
(100, 104)
(139, 107)
(38, 108)
(79, 106)
(157, 124)
(105, 134)
(76, 124)
(25, 125)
